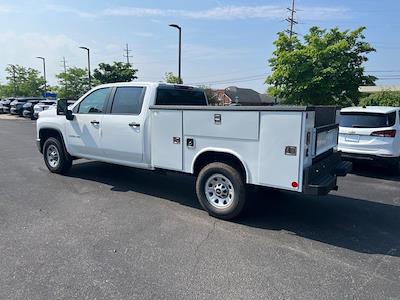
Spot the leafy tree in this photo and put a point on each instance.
(73, 83)
(325, 69)
(22, 81)
(384, 98)
(171, 78)
(118, 72)
(211, 95)
(6, 90)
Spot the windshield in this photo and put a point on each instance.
(367, 120)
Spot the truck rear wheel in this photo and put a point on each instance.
(55, 157)
(221, 190)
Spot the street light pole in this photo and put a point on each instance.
(44, 74)
(180, 51)
(88, 58)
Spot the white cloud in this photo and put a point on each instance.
(25, 48)
(66, 9)
(270, 12)
(5, 9)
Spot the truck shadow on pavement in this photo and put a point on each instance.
(355, 224)
(373, 171)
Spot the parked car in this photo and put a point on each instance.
(16, 107)
(162, 126)
(43, 105)
(27, 111)
(6, 105)
(371, 133)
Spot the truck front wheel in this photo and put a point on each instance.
(55, 157)
(221, 190)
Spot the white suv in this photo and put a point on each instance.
(371, 133)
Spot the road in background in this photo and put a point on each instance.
(111, 232)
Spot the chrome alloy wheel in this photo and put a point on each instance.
(219, 191)
(53, 157)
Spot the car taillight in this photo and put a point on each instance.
(384, 133)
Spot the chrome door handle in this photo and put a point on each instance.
(133, 124)
(94, 122)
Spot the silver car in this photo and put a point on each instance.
(43, 105)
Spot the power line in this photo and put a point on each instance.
(233, 80)
(127, 51)
(263, 76)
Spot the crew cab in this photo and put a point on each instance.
(171, 127)
(371, 134)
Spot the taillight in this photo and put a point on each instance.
(384, 133)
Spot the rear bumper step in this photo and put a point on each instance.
(321, 177)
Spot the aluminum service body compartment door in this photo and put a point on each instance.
(166, 139)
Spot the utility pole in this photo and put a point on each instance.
(291, 20)
(127, 51)
(14, 82)
(64, 64)
(65, 71)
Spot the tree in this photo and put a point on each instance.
(171, 78)
(6, 90)
(22, 81)
(73, 83)
(118, 72)
(384, 98)
(212, 96)
(325, 69)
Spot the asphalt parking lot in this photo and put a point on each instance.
(111, 232)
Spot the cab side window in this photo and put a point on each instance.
(94, 103)
(128, 100)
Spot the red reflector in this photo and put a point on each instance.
(384, 133)
(295, 184)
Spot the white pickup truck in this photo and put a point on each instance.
(162, 126)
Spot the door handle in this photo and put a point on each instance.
(133, 124)
(94, 122)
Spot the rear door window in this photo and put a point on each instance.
(367, 120)
(180, 96)
(128, 100)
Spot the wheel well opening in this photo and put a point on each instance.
(212, 156)
(46, 133)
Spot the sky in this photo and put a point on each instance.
(225, 42)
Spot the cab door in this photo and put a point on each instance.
(123, 126)
(84, 131)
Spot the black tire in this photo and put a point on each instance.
(235, 204)
(64, 161)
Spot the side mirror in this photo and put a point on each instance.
(62, 109)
